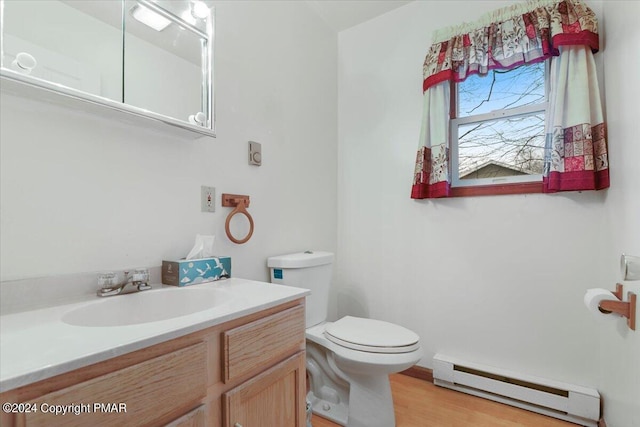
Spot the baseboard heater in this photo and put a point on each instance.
(576, 404)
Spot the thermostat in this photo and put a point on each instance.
(255, 153)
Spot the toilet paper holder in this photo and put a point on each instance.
(624, 308)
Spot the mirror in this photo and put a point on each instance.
(150, 58)
(180, 90)
(66, 45)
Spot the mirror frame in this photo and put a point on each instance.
(21, 84)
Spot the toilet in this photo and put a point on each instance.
(349, 360)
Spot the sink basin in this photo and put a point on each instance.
(147, 306)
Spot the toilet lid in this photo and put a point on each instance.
(370, 335)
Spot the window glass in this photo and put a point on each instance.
(498, 134)
(499, 90)
(497, 148)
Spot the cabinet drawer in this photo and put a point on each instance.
(262, 342)
(138, 395)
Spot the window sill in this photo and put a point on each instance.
(497, 190)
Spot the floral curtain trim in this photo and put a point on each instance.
(578, 159)
(512, 36)
(430, 178)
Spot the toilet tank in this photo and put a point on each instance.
(310, 270)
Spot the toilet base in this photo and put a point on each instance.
(347, 399)
(336, 412)
(370, 404)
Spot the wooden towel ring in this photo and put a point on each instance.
(240, 203)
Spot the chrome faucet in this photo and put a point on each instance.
(109, 285)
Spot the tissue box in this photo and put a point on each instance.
(187, 272)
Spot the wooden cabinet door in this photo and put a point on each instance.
(274, 398)
(194, 418)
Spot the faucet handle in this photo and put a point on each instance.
(140, 277)
(108, 279)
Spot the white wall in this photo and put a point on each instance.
(619, 346)
(81, 193)
(494, 280)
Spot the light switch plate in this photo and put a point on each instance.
(255, 153)
(208, 199)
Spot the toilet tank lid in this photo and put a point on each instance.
(300, 260)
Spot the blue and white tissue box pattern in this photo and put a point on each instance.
(187, 272)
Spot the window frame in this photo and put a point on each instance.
(524, 184)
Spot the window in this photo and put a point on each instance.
(495, 134)
(497, 127)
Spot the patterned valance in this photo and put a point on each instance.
(509, 37)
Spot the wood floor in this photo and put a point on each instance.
(419, 403)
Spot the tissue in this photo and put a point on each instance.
(185, 272)
(592, 300)
(203, 247)
(200, 265)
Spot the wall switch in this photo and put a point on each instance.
(208, 199)
(255, 153)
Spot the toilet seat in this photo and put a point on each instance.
(373, 336)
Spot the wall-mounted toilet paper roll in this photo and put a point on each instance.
(592, 300)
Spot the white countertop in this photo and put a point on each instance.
(37, 344)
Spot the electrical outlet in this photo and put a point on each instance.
(208, 199)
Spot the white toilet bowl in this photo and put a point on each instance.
(351, 386)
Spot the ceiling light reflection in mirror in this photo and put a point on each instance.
(149, 17)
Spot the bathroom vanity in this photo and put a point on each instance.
(240, 364)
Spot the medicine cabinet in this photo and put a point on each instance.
(147, 58)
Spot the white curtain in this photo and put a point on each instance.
(576, 145)
(431, 175)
